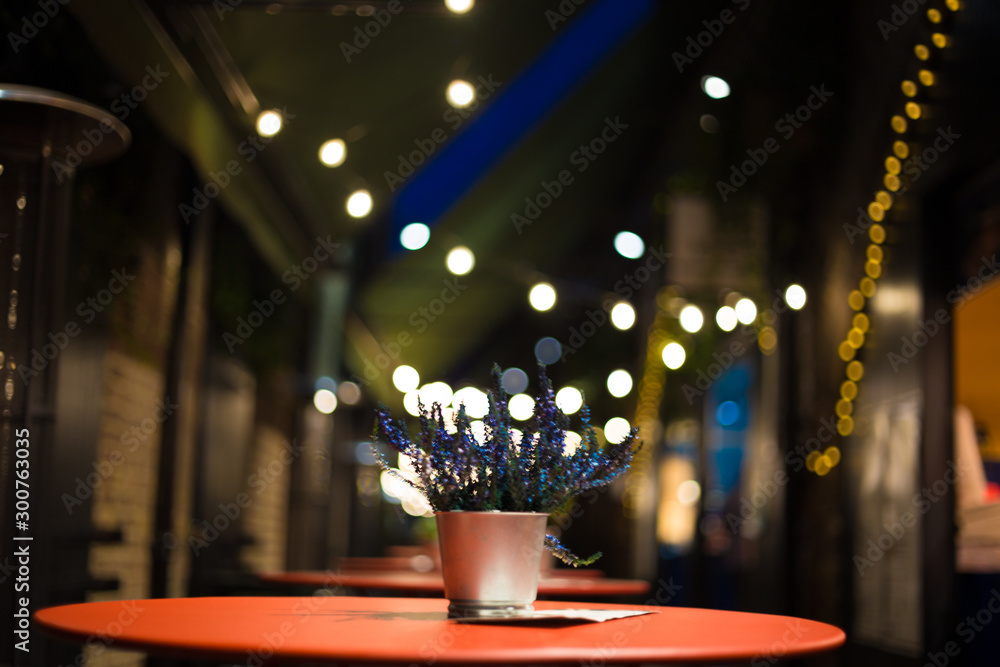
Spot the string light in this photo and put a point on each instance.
(857, 299)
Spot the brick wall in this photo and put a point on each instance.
(130, 433)
(266, 517)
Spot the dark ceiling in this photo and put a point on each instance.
(228, 59)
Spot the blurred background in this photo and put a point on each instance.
(763, 232)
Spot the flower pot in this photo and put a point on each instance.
(490, 562)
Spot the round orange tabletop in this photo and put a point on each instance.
(254, 630)
(432, 582)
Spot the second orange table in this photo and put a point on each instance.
(431, 582)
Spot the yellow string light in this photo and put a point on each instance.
(856, 300)
(876, 212)
(953, 5)
(855, 338)
(767, 340)
(876, 233)
(832, 454)
(821, 464)
(867, 287)
(884, 199)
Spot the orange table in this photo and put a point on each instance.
(402, 631)
(431, 582)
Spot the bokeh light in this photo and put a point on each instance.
(514, 380)
(269, 123)
(521, 406)
(619, 383)
(569, 400)
(405, 378)
(542, 297)
(674, 355)
(325, 401)
(691, 319)
(415, 236)
(359, 204)
(630, 245)
(616, 429)
(476, 402)
(333, 153)
(746, 311)
(460, 260)
(715, 87)
(726, 318)
(623, 315)
(460, 93)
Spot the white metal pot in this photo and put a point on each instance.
(491, 561)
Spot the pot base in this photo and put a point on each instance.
(480, 609)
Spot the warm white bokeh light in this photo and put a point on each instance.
(619, 383)
(415, 236)
(460, 260)
(746, 311)
(359, 204)
(268, 123)
(688, 492)
(795, 296)
(332, 153)
(476, 402)
(691, 319)
(325, 401)
(726, 318)
(406, 378)
(435, 392)
(459, 6)
(478, 429)
(715, 87)
(542, 296)
(349, 393)
(629, 245)
(623, 315)
(569, 400)
(392, 486)
(521, 406)
(460, 93)
(572, 441)
(411, 401)
(674, 356)
(616, 430)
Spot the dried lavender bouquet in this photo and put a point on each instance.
(535, 473)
